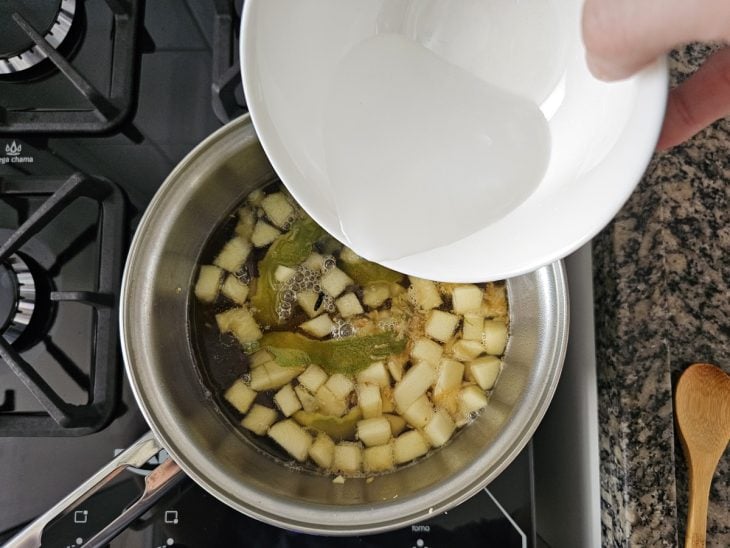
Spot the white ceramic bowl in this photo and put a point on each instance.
(603, 135)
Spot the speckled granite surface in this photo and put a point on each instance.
(662, 277)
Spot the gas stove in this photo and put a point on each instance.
(99, 100)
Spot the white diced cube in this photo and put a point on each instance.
(419, 412)
(378, 459)
(307, 399)
(322, 450)
(467, 350)
(375, 294)
(246, 223)
(330, 404)
(240, 395)
(315, 262)
(416, 381)
(209, 280)
(292, 438)
(283, 273)
(471, 399)
(259, 419)
(494, 338)
(312, 378)
(321, 326)
(287, 401)
(348, 305)
(369, 400)
(307, 300)
(347, 458)
(426, 350)
(441, 325)
(263, 234)
(472, 327)
(233, 255)
(335, 281)
(235, 289)
(439, 429)
(485, 371)
(408, 446)
(376, 373)
(374, 431)
(397, 424)
(466, 298)
(449, 376)
(424, 293)
(277, 209)
(340, 385)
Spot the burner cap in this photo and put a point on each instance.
(51, 18)
(17, 297)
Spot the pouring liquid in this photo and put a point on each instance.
(421, 153)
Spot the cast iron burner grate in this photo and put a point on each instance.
(62, 418)
(227, 97)
(91, 89)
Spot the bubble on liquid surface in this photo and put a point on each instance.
(431, 151)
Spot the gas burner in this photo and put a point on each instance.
(50, 18)
(17, 297)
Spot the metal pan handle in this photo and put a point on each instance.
(157, 483)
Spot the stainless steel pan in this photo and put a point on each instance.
(202, 191)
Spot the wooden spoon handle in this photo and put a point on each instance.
(699, 494)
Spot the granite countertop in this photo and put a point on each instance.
(661, 277)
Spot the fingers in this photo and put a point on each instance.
(703, 98)
(623, 36)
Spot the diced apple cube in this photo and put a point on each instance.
(378, 459)
(347, 458)
(426, 350)
(472, 327)
(348, 305)
(495, 301)
(419, 412)
(307, 300)
(375, 373)
(241, 323)
(485, 371)
(255, 197)
(240, 395)
(424, 293)
(287, 401)
(335, 281)
(449, 376)
(292, 438)
(259, 419)
(321, 326)
(439, 429)
(283, 273)
(315, 262)
(329, 404)
(235, 289)
(209, 280)
(246, 223)
(416, 381)
(471, 399)
(397, 424)
(375, 294)
(263, 234)
(375, 431)
(467, 350)
(277, 208)
(347, 255)
(369, 400)
(312, 378)
(259, 357)
(441, 325)
(309, 402)
(233, 255)
(271, 375)
(340, 385)
(494, 338)
(396, 365)
(408, 446)
(322, 450)
(466, 298)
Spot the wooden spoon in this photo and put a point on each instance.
(702, 410)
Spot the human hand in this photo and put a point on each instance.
(624, 36)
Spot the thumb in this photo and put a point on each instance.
(623, 36)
